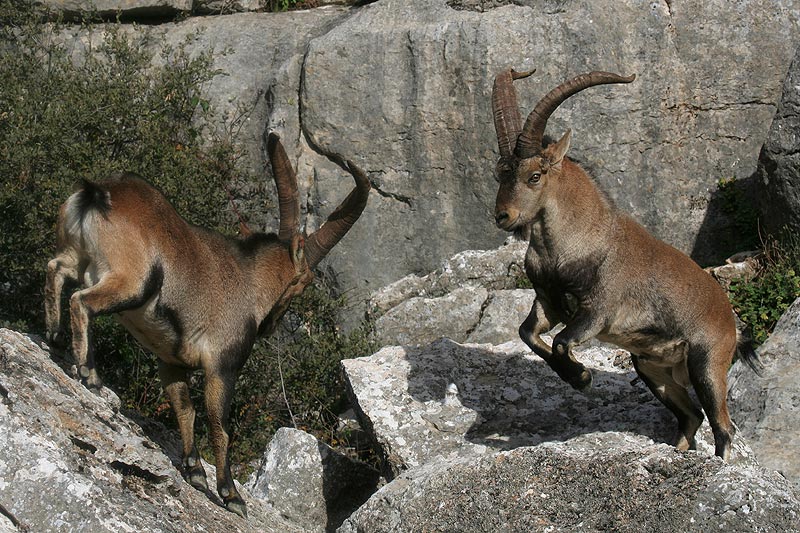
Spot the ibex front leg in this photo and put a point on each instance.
(219, 391)
(175, 381)
(542, 319)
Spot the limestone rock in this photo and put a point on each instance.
(470, 298)
(778, 177)
(451, 400)
(70, 461)
(767, 409)
(423, 320)
(502, 314)
(594, 482)
(309, 483)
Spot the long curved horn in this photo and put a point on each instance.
(286, 183)
(341, 220)
(529, 142)
(507, 119)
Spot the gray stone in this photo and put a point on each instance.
(470, 298)
(497, 268)
(778, 177)
(451, 400)
(594, 482)
(767, 409)
(70, 461)
(309, 483)
(422, 320)
(502, 314)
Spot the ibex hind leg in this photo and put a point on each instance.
(175, 381)
(661, 382)
(64, 266)
(708, 371)
(113, 293)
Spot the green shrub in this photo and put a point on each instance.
(763, 300)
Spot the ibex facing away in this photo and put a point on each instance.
(193, 297)
(603, 275)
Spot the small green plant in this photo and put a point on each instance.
(763, 300)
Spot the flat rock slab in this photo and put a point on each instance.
(594, 482)
(448, 399)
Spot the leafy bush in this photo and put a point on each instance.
(63, 119)
(763, 300)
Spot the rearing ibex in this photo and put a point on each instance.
(603, 275)
(193, 297)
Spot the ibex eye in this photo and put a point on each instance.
(535, 177)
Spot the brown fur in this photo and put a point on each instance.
(603, 275)
(193, 297)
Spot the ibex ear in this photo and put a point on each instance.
(555, 152)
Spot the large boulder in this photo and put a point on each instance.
(403, 88)
(778, 177)
(452, 400)
(767, 408)
(309, 483)
(70, 461)
(594, 482)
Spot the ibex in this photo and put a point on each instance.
(195, 298)
(602, 275)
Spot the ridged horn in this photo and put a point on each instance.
(529, 142)
(342, 219)
(507, 119)
(286, 183)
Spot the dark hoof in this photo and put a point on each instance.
(57, 340)
(581, 382)
(196, 477)
(236, 505)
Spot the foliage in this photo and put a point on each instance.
(294, 379)
(761, 301)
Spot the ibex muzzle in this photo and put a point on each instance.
(193, 297)
(603, 275)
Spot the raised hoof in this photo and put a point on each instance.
(236, 505)
(582, 382)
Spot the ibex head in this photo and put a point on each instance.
(526, 170)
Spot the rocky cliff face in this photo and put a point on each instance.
(778, 176)
(403, 87)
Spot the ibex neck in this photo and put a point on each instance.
(577, 218)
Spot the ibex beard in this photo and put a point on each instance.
(601, 274)
(195, 298)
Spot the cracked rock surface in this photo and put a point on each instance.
(70, 461)
(767, 409)
(594, 482)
